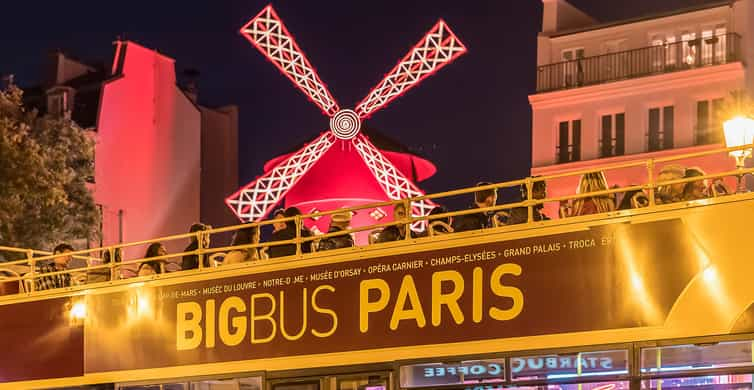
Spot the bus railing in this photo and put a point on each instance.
(114, 270)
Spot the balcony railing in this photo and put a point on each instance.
(646, 61)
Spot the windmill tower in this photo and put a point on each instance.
(354, 171)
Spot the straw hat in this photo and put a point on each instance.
(693, 172)
(671, 172)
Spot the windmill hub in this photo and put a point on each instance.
(345, 124)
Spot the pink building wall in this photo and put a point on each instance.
(219, 164)
(147, 160)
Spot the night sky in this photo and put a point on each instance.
(472, 118)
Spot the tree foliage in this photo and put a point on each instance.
(44, 165)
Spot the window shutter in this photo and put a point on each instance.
(563, 142)
(607, 136)
(576, 155)
(654, 129)
(716, 124)
(667, 127)
(702, 122)
(620, 134)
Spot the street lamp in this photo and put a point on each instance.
(739, 131)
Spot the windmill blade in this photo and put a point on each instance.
(392, 181)
(255, 200)
(437, 49)
(268, 34)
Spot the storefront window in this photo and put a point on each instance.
(313, 385)
(369, 382)
(464, 373)
(250, 383)
(697, 357)
(713, 382)
(617, 385)
(254, 383)
(563, 366)
(165, 386)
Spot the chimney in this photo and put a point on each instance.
(191, 86)
(8, 80)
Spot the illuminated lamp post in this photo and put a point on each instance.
(739, 131)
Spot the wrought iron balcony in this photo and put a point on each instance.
(645, 61)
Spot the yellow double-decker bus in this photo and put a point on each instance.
(651, 298)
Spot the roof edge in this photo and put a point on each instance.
(659, 15)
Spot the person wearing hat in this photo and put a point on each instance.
(694, 190)
(670, 193)
(339, 222)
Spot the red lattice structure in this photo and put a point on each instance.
(269, 35)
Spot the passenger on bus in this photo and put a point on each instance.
(289, 233)
(58, 263)
(244, 236)
(694, 190)
(719, 188)
(277, 216)
(670, 193)
(192, 261)
(103, 274)
(633, 200)
(593, 182)
(338, 223)
(396, 232)
(154, 266)
(440, 226)
(521, 214)
(481, 220)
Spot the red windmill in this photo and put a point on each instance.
(354, 172)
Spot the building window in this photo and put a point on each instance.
(665, 53)
(690, 48)
(660, 128)
(572, 72)
(613, 135)
(57, 103)
(714, 45)
(721, 44)
(569, 141)
(572, 54)
(709, 126)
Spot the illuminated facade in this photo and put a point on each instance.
(359, 172)
(162, 162)
(630, 90)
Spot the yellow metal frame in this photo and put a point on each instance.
(653, 212)
(33, 257)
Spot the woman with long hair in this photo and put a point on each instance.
(593, 182)
(245, 236)
(154, 266)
